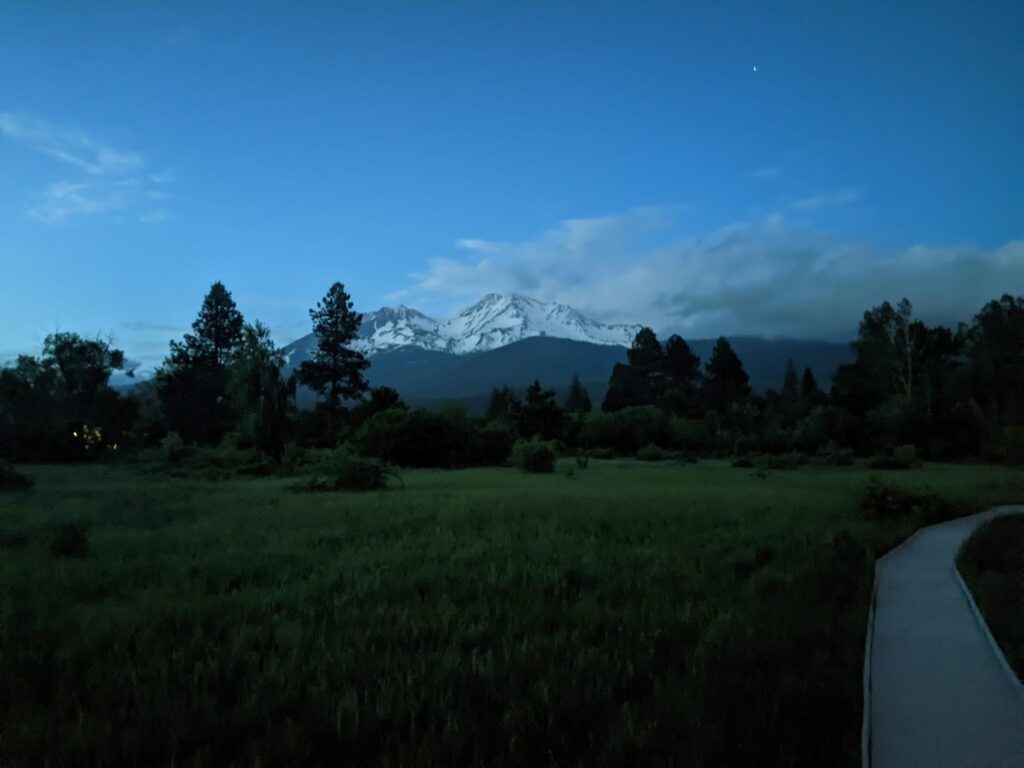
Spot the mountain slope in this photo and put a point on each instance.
(494, 321)
(435, 376)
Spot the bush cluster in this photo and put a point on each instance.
(347, 471)
(881, 501)
(534, 455)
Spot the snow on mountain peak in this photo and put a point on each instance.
(492, 322)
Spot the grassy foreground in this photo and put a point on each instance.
(992, 564)
(630, 614)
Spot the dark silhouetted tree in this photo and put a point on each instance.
(192, 383)
(726, 381)
(504, 405)
(260, 398)
(60, 406)
(578, 399)
(540, 414)
(681, 377)
(335, 370)
(791, 381)
(641, 379)
(809, 385)
(995, 346)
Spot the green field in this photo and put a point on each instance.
(992, 564)
(629, 614)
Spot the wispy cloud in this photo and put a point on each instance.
(767, 173)
(832, 199)
(767, 276)
(107, 179)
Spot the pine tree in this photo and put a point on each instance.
(681, 378)
(726, 381)
(578, 400)
(218, 329)
(791, 381)
(540, 414)
(646, 351)
(641, 379)
(809, 385)
(504, 405)
(335, 370)
(192, 382)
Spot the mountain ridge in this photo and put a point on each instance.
(494, 321)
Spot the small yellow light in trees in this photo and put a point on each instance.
(74, 434)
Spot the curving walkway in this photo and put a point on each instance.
(936, 694)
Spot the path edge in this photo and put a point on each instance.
(865, 727)
(1015, 681)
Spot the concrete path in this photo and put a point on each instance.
(937, 695)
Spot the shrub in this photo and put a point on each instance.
(419, 438)
(347, 471)
(690, 434)
(72, 540)
(834, 456)
(628, 430)
(11, 479)
(534, 455)
(900, 457)
(174, 448)
(686, 457)
(1013, 443)
(293, 457)
(494, 443)
(885, 502)
(653, 453)
(600, 453)
(784, 461)
(743, 462)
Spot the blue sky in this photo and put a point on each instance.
(624, 158)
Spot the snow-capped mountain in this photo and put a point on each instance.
(494, 321)
(401, 326)
(497, 320)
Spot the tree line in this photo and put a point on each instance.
(950, 393)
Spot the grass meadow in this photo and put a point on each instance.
(626, 614)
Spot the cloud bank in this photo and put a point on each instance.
(766, 277)
(106, 180)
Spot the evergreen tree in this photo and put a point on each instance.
(335, 370)
(641, 379)
(504, 405)
(791, 381)
(218, 328)
(646, 351)
(809, 385)
(995, 345)
(578, 400)
(727, 381)
(260, 398)
(192, 382)
(681, 377)
(540, 414)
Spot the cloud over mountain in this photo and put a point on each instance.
(766, 277)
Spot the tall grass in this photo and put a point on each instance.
(629, 614)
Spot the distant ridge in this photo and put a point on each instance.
(433, 377)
